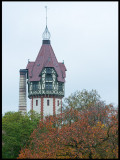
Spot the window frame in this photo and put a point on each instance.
(48, 77)
(60, 86)
(48, 70)
(48, 86)
(35, 86)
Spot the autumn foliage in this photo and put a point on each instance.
(85, 134)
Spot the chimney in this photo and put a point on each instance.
(22, 91)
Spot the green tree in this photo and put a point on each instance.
(17, 129)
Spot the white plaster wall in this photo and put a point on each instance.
(37, 108)
(58, 108)
(47, 110)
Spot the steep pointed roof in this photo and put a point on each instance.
(45, 58)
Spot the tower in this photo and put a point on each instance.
(46, 79)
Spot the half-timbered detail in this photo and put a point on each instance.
(46, 80)
(48, 85)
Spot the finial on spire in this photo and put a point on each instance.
(46, 33)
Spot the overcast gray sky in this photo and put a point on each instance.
(83, 34)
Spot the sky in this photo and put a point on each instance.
(83, 34)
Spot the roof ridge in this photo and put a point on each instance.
(32, 69)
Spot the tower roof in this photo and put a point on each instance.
(45, 58)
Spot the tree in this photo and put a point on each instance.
(83, 138)
(17, 129)
(84, 101)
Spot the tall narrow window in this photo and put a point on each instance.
(60, 86)
(58, 102)
(47, 102)
(36, 102)
(35, 86)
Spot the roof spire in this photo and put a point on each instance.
(46, 33)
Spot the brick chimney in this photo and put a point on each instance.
(22, 91)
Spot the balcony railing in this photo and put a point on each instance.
(46, 92)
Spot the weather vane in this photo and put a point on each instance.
(46, 15)
(46, 34)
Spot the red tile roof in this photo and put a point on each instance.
(63, 69)
(29, 67)
(45, 58)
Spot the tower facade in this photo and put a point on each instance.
(46, 80)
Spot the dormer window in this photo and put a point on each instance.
(48, 70)
(48, 77)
